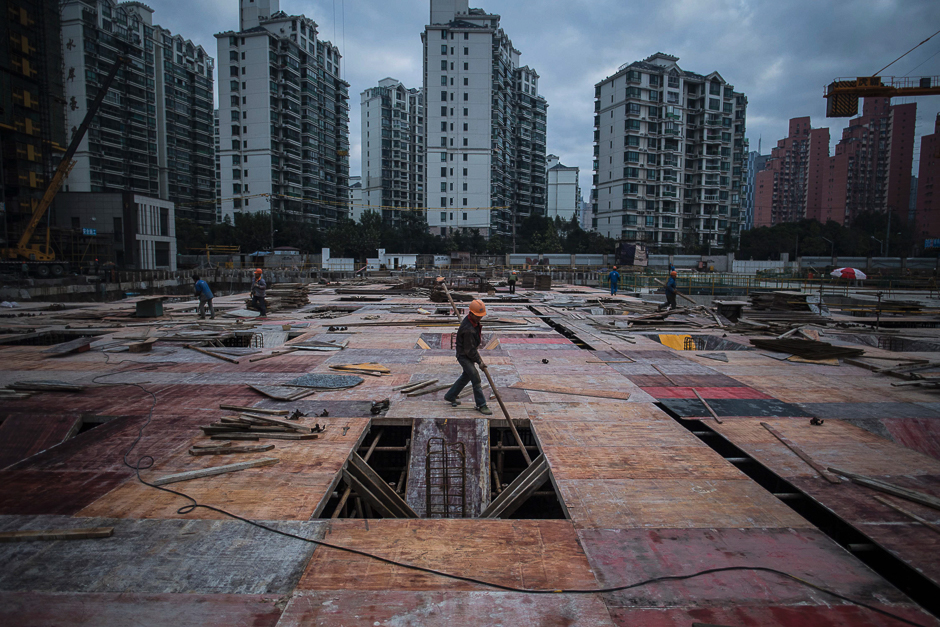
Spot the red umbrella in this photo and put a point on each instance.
(848, 273)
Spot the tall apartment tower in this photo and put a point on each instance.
(563, 190)
(392, 150)
(485, 124)
(927, 212)
(755, 163)
(153, 134)
(871, 168)
(32, 111)
(669, 155)
(283, 118)
(790, 187)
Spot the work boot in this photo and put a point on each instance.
(486, 411)
(453, 401)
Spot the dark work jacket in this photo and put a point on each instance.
(671, 285)
(468, 340)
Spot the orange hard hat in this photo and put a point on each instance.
(615, 267)
(673, 273)
(477, 308)
(257, 270)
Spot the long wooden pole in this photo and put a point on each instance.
(499, 399)
(446, 291)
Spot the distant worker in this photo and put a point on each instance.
(25, 270)
(469, 338)
(202, 290)
(671, 291)
(614, 278)
(258, 290)
(512, 282)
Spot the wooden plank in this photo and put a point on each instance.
(274, 354)
(883, 486)
(275, 392)
(79, 345)
(521, 488)
(293, 426)
(211, 472)
(423, 344)
(45, 386)
(413, 387)
(801, 454)
(28, 535)
(555, 389)
(261, 435)
(229, 450)
(142, 347)
(502, 405)
(707, 406)
(210, 354)
(366, 495)
(255, 410)
(908, 513)
(436, 388)
(361, 470)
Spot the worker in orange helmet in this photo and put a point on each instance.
(469, 338)
(258, 289)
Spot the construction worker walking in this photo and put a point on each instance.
(614, 278)
(205, 297)
(258, 290)
(469, 338)
(671, 291)
(512, 282)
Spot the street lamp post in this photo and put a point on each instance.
(880, 242)
(833, 250)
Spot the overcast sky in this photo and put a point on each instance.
(780, 53)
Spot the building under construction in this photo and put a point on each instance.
(756, 464)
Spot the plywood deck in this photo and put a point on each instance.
(643, 495)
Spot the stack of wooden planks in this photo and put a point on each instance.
(254, 425)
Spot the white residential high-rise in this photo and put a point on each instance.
(669, 155)
(485, 124)
(564, 191)
(392, 149)
(284, 118)
(355, 198)
(153, 134)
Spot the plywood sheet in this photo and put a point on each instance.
(23, 435)
(394, 607)
(526, 553)
(38, 609)
(706, 393)
(651, 462)
(659, 431)
(626, 555)
(677, 503)
(686, 408)
(293, 489)
(797, 615)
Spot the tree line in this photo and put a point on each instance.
(252, 232)
(867, 236)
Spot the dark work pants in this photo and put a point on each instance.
(260, 305)
(671, 300)
(469, 375)
(613, 288)
(512, 287)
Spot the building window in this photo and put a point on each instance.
(443, 65)
(464, 187)
(443, 80)
(465, 140)
(443, 187)
(443, 216)
(443, 48)
(466, 81)
(466, 67)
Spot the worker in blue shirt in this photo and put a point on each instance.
(614, 278)
(205, 297)
(671, 290)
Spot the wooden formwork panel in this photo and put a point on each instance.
(24, 435)
(920, 434)
(796, 615)
(603, 410)
(419, 607)
(659, 431)
(674, 503)
(627, 555)
(649, 462)
(705, 392)
(836, 443)
(292, 489)
(542, 554)
(29, 609)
